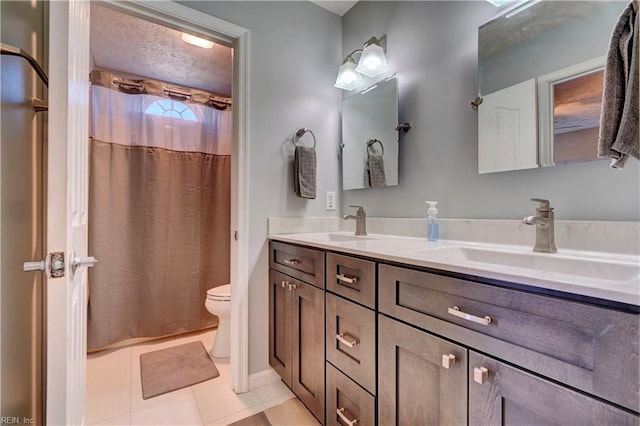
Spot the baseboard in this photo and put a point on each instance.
(263, 378)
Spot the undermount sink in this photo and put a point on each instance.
(591, 267)
(338, 238)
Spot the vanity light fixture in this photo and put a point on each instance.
(372, 63)
(197, 41)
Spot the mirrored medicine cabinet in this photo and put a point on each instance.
(369, 136)
(540, 73)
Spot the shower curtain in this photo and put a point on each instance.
(159, 203)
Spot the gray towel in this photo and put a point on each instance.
(304, 170)
(375, 170)
(619, 137)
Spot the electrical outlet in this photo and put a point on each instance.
(331, 200)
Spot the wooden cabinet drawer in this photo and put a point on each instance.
(500, 394)
(346, 401)
(351, 340)
(302, 263)
(567, 341)
(352, 278)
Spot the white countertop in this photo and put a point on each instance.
(612, 277)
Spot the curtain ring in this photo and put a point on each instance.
(128, 86)
(300, 132)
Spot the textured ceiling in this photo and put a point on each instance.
(124, 43)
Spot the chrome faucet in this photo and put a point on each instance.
(543, 220)
(360, 218)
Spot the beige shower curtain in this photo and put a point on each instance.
(159, 223)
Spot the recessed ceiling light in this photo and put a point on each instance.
(197, 41)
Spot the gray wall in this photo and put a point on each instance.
(295, 55)
(296, 50)
(433, 47)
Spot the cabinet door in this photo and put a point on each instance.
(510, 396)
(308, 347)
(414, 385)
(280, 324)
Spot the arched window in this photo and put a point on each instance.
(173, 109)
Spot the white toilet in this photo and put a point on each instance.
(219, 303)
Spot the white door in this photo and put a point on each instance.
(507, 129)
(67, 177)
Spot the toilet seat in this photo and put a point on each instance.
(220, 293)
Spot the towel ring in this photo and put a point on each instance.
(300, 132)
(374, 141)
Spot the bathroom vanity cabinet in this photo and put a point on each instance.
(296, 313)
(350, 340)
(441, 348)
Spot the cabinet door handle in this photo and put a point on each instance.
(284, 284)
(345, 419)
(480, 374)
(346, 279)
(292, 262)
(455, 311)
(448, 360)
(292, 286)
(342, 339)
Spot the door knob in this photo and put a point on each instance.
(36, 265)
(53, 265)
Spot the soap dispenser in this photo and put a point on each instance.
(433, 226)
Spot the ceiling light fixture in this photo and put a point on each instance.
(197, 41)
(372, 63)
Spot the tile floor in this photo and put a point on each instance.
(114, 391)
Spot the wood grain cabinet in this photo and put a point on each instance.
(406, 346)
(347, 402)
(352, 278)
(500, 394)
(351, 340)
(296, 342)
(591, 348)
(422, 379)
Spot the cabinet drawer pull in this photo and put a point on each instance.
(480, 374)
(292, 262)
(455, 311)
(448, 360)
(345, 419)
(342, 339)
(346, 279)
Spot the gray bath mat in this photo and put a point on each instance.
(175, 368)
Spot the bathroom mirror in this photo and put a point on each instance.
(540, 78)
(369, 136)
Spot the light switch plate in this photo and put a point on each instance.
(331, 200)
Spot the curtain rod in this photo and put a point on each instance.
(112, 80)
